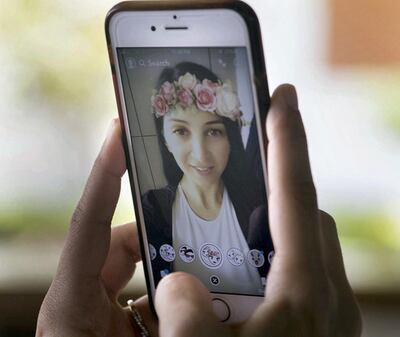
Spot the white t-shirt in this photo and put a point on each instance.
(215, 251)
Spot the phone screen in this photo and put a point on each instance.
(198, 161)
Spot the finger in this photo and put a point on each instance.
(293, 207)
(88, 238)
(348, 312)
(331, 250)
(121, 260)
(269, 320)
(184, 308)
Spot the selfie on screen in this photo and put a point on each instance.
(199, 166)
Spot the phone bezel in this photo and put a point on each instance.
(119, 22)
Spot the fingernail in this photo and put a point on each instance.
(290, 95)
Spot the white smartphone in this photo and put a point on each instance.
(192, 95)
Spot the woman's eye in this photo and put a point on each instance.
(215, 132)
(180, 132)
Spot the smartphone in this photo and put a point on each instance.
(192, 95)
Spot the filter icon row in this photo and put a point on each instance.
(211, 255)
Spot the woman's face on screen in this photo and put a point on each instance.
(199, 144)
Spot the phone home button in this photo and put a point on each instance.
(221, 309)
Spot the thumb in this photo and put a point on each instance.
(88, 239)
(184, 308)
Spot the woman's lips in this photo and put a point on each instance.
(203, 170)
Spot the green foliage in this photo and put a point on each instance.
(391, 108)
(368, 228)
(54, 222)
(60, 56)
(385, 86)
(33, 221)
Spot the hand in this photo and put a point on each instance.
(96, 262)
(307, 290)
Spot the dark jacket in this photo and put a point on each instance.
(157, 208)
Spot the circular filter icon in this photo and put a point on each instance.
(152, 251)
(167, 253)
(211, 256)
(255, 258)
(186, 253)
(235, 257)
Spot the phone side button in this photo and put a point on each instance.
(221, 309)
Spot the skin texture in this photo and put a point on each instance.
(200, 146)
(307, 290)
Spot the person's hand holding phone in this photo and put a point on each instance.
(307, 291)
(96, 262)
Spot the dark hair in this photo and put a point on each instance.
(237, 176)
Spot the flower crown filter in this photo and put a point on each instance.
(189, 94)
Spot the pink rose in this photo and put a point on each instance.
(212, 85)
(167, 90)
(205, 98)
(185, 98)
(159, 105)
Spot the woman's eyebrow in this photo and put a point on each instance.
(217, 121)
(179, 120)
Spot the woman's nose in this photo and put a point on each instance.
(199, 149)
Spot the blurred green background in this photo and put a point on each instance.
(57, 99)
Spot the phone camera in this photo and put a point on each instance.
(175, 17)
(153, 28)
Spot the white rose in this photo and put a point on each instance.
(228, 103)
(187, 81)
